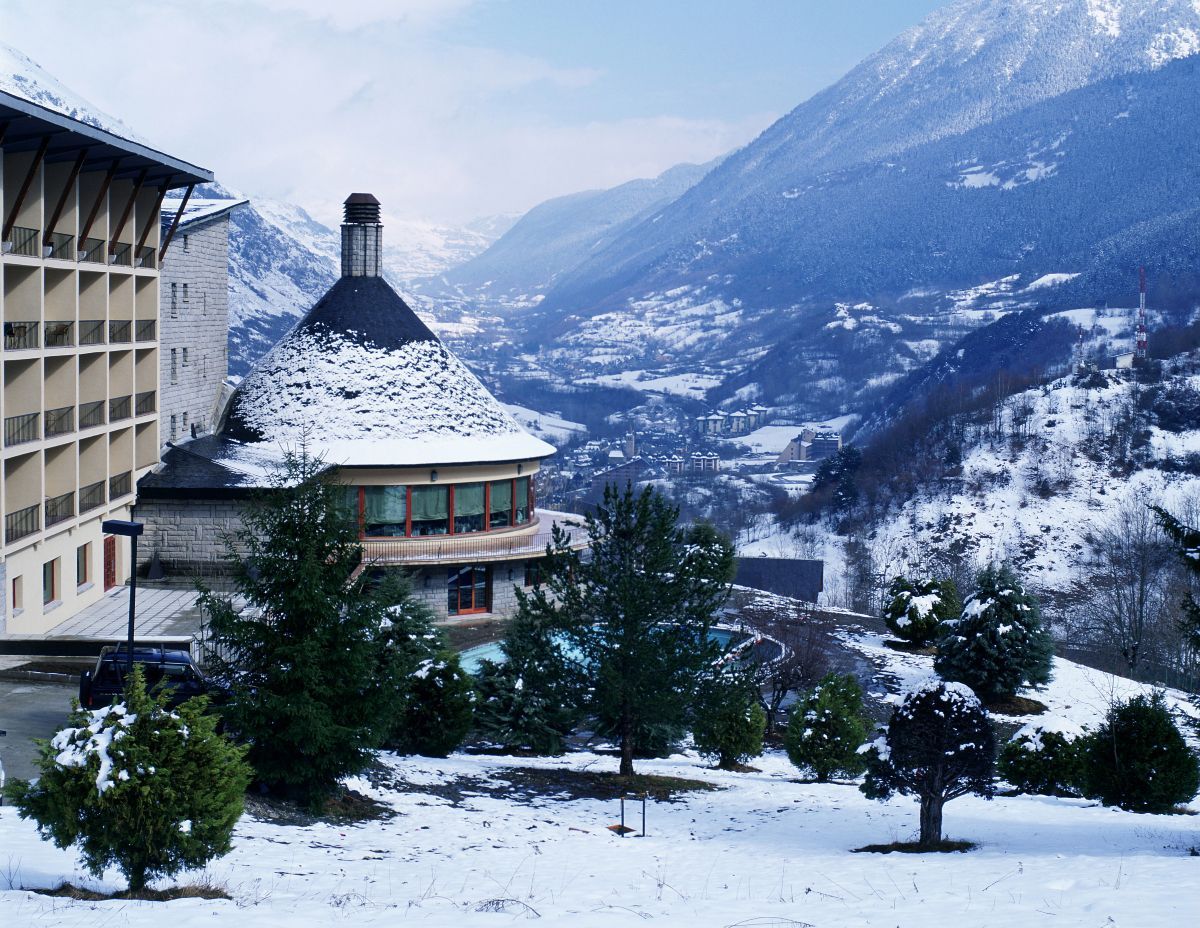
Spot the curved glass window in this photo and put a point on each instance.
(385, 511)
(430, 510)
(521, 492)
(468, 507)
(501, 514)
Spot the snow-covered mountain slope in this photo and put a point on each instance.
(557, 236)
(23, 77)
(1001, 155)
(1052, 467)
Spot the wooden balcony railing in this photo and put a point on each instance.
(118, 407)
(60, 421)
(20, 429)
(21, 522)
(91, 331)
(91, 496)
(91, 414)
(60, 508)
(20, 336)
(120, 485)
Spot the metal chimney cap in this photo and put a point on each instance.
(361, 209)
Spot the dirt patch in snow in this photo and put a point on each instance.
(191, 891)
(345, 806)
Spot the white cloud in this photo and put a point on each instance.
(304, 101)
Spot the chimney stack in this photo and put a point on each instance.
(362, 237)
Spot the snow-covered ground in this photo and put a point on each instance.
(469, 834)
(545, 425)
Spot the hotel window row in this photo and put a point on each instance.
(454, 509)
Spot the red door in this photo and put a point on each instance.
(110, 561)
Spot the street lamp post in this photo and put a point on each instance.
(130, 530)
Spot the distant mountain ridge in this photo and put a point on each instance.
(967, 66)
(558, 235)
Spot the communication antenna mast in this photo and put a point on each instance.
(1141, 351)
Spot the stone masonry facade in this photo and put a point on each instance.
(194, 321)
(188, 535)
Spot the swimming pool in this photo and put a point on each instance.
(472, 658)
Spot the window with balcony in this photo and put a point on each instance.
(501, 508)
(458, 509)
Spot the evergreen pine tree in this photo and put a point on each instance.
(938, 745)
(532, 700)
(1138, 760)
(827, 728)
(727, 721)
(439, 708)
(136, 786)
(316, 666)
(1187, 540)
(916, 610)
(1000, 643)
(638, 610)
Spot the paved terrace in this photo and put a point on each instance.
(161, 613)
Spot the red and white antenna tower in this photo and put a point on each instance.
(1141, 352)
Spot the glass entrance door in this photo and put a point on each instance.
(468, 589)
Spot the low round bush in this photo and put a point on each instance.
(1138, 760)
(728, 723)
(439, 710)
(1045, 758)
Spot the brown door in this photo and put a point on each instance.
(110, 561)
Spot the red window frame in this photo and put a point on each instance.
(530, 501)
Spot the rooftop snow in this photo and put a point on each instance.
(388, 394)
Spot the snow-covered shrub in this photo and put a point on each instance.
(1000, 642)
(1044, 757)
(938, 745)
(827, 727)
(1138, 760)
(917, 609)
(727, 720)
(139, 787)
(438, 710)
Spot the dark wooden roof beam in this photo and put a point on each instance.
(127, 211)
(24, 189)
(187, 195)
(151, 221)
(63, 197)
(100, 195)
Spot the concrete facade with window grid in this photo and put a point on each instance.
(79, 294)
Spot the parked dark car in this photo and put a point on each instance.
(171, 671)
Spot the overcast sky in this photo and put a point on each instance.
(448, 109)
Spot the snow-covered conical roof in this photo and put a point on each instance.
(366, 383)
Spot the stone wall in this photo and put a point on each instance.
(194, 328)
(188, 535)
